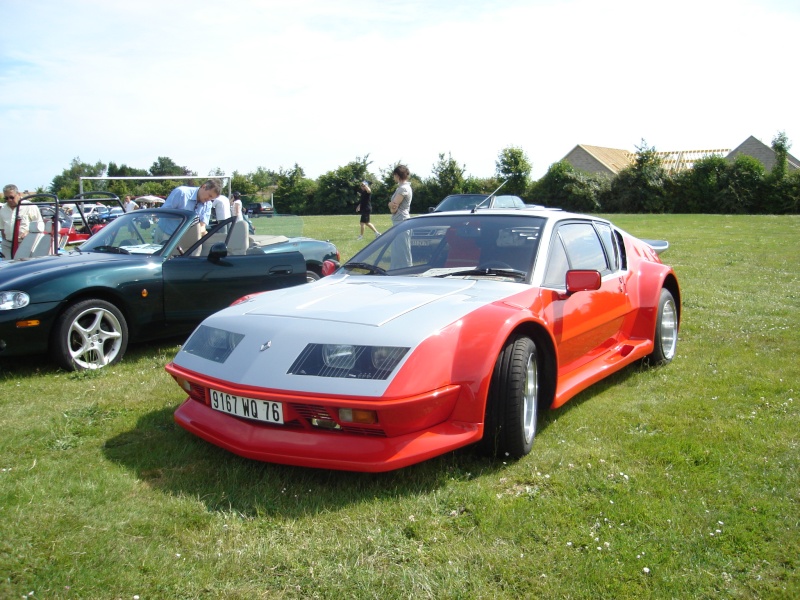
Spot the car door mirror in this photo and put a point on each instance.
(582, 281)
(218, 251)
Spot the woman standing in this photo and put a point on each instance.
(400, 207)
(236, 206)
(364, 207)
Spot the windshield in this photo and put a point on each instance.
(475, 245)
(461, 202)
(139, 232)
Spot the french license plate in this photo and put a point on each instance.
(248, 408)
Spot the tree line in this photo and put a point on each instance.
(713, 185)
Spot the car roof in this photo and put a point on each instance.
(528, 211)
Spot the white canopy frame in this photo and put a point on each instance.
(157, 178)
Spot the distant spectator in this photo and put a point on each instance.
(400, 204)
(129, 204)
(222, 208)
(364, 207)
(236, 206)
(400, 207)
(14, 230)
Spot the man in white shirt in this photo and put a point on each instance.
(222, 208)
(28, 213)
(129, 204)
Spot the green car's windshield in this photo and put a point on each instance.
(134, 233)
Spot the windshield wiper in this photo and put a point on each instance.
(112, 249)
(371, 269)
(507, 272)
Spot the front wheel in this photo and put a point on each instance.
(665, 339)
(512, 403)
(90, 334)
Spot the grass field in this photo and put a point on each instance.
(676, 482)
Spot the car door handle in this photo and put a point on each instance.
(281, 270)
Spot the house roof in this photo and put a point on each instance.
(675, 161)
(763, 153)
(598, 159)
(613, 158)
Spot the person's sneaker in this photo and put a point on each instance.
(377, 235)
(361, 237)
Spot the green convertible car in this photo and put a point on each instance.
(148, 274)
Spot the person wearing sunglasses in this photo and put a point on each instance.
(13, 231)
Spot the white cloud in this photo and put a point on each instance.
(254, 83)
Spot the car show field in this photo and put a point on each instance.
(676, 481)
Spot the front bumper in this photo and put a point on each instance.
(21, 341)
(408, 431)
(323, 450)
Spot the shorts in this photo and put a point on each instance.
(365, 217)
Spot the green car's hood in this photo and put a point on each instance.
(26, 273)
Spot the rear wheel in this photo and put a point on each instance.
(665, 340)
(311, 276)
(512, 404)
(90, 334)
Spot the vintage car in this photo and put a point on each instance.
(148, 274)
(450, 329)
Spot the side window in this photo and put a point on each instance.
(557, 265)
(583, 247)
(609, 243)
(623, 257)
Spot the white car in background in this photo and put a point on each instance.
(87, 209)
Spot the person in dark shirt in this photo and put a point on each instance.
(364, 207)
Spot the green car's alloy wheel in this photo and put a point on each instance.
(90, 334)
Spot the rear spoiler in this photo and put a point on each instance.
(658, 245)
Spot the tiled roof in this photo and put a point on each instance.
(614, 159)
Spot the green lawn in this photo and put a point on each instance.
(676, 482)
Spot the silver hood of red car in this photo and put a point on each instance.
(373, 301)
(341, 309)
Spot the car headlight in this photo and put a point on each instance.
(13, 299)
(339, 356)
(348, 361)
(212, 343)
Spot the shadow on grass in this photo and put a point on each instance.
(169, 459)
(172, 460)
(593, 391)
(42, 364)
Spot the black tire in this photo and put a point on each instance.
(90, 334)
(512, 404)
(312, 276)
(665, 338)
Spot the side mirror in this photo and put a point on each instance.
(582, 281)
(218, 251)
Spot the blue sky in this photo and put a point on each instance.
(262, 83)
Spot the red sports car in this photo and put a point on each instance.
(450, 329)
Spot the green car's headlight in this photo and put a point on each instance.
(13, 299)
